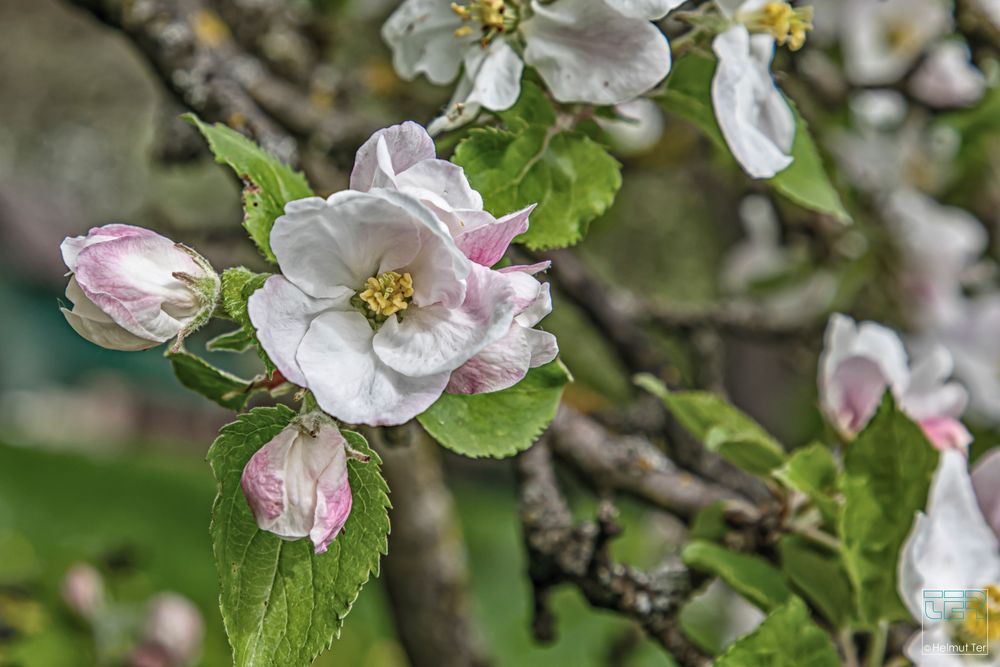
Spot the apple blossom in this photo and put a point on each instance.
(377, 304)
(860, 362)
(593, 51)
(173, 631)
(132, 289)
(83, 590)
(947, 78)
(954, 546)
(402, 157)
(296, 484)
(636, 128)
(754, 117)
(882, 39)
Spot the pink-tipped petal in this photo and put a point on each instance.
(499, 366)
(333, 506)
(408, 143)
(487, 244)
(72, 246)
(946, 433)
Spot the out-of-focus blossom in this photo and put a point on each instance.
(133, 289)
(637, 127)
(882, 39)
(879, 108)
(939, 244)
(754, 117)
(172, 633)
(947, 78)
(593, 51)
(860, 362)
(83, 590)
(297, 483)
(954, 547)
(732, 616)
(760, 255)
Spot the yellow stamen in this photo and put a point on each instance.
(788, 25)
(388, 293)
(491, 15)
(977, 626)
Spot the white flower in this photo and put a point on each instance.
(939, 244)
(954, 547)
(402, 157)
(754, 117)
(882, 39)
(594, 51)
(133, 289)
(297, 483)
(859, 363)
(760, 256)
(947, 78)
(173, 628)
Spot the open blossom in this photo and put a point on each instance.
(860, 362)
(882, 39)
(594, 51)
(297, 486)
(132, 289)
(402, 158)
(954, 546)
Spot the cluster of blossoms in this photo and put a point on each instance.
(603, 52)
(386, 299)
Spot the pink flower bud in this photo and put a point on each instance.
(83, 590)
(173, 629)
(296, 485)
(133, 289)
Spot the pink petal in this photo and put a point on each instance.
(408, 143)
(263, 479)
(72, 246)
(333, 506)
(487, 244)
(499, 366)
(946, 433)
(854, 392)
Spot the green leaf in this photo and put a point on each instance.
(812, 471)
(234, 341)
(721, 426)
(709, 523)
(805, 182)
(820, 576)
(269, 184)
(786, 638)
(887, 474)
(281, 603)
(571, 177)
(500, 423)
(198, 375)
(750, 576)
(238, 284)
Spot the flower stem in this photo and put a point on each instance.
(876, 652)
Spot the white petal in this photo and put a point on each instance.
(407, 143)
(498, 366)
(928, 395)
(496, 77)
(281, 313)
(544, 347)
(752, 113)
(986, 482)
(94, 325)
(351, 383)
(587, 52)
(421, 34)
(951, 546)
(439, 183)
(436, 339)
(330, 251)
(929, 635)
(947, 78)
(651, 10)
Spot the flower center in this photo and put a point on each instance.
(787, 24)
(493, 16)
(387, 294)
(976, 627)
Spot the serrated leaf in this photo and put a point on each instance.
(812, 471)
(820, 576)
(281, 603)
(572, 178)
(887, 474)
(805, 182)
(198, 375)
(500, 423)
(269, 184)
(750, 576)
(787, 638)
(238, 284)
(720, 426)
